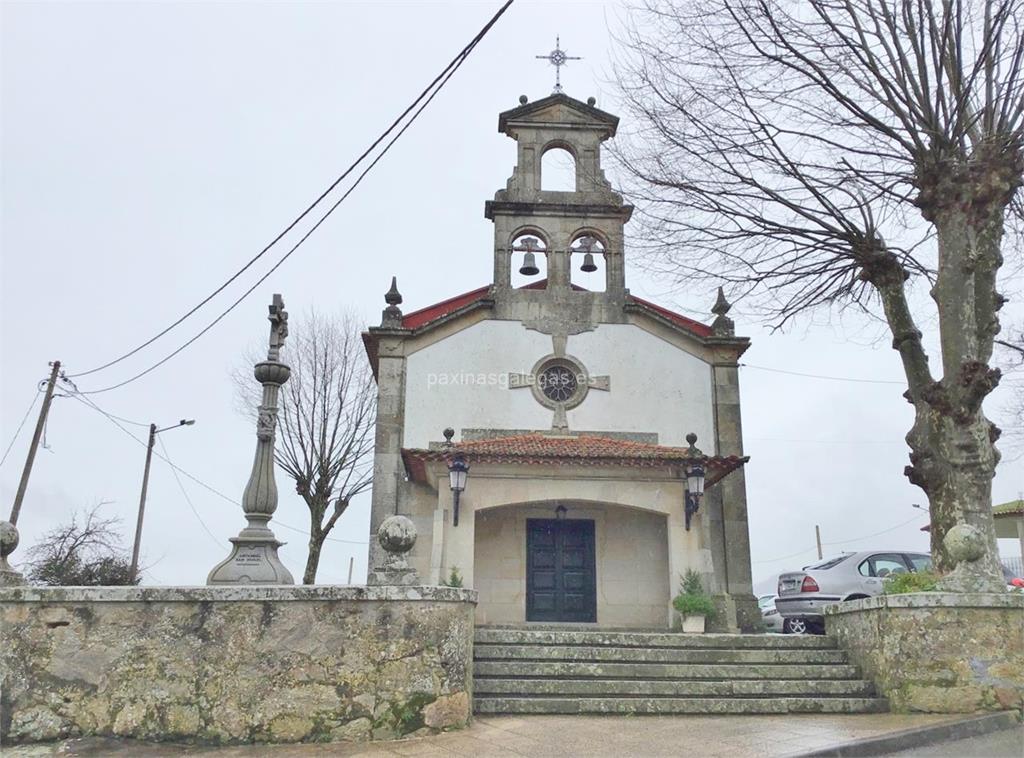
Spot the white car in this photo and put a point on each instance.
(769, 613)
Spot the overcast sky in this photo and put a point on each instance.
(150, 148)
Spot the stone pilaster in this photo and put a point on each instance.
(387, 457)
(729, 524)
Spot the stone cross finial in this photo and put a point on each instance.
(722, 326)
(278, 319)
(392, 315)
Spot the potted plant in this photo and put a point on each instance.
(692, 603)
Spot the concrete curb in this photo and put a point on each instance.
(885, 744)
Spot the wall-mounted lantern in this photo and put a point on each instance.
(458, 472)
(694, 478)
(560, 512)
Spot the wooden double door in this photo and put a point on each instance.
(561, 578)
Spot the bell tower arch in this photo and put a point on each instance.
(592, 212)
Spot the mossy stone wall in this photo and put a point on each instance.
(234, 664)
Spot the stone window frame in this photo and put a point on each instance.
(566, 361)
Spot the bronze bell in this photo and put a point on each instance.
(529, 267)
(588, 263)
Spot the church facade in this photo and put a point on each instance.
(574, 410)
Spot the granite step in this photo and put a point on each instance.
(534, 652)
(676, 705)
(675, 688)
(647, 640)
(573, 670)
(635, 670)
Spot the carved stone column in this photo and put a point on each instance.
(253, 558)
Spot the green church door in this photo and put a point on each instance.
(561, 579)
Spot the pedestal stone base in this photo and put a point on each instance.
(403, 577)
(9, 577)
(252, 561)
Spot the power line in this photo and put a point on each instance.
(35, 399)
(841, 542)
(429, 93)
(819, 376)
(91, 404)
(285, 257)
(184, 494)
(869, 536)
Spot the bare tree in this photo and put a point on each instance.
(84, 552)
(832, 153)
(326, 421)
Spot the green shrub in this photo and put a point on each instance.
(454, 578)
(919, 581)
(692, 600)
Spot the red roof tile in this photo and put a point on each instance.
(584, 450)
(433, 312)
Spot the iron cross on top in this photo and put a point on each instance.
(558, 58)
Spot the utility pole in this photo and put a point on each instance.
(40, 425)
(134, 571)
(351, 561)
(153, 432)
(817, 538)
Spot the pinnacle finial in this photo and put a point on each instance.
(722, 326)
(393, 296)
(391, 317)
(721, 306)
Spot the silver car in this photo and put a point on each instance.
(769, 613)
(803, 595)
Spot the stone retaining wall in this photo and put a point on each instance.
(234, 664)
(937, 652)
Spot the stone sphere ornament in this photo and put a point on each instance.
(397, 534)
(964, 543)
(8, 538)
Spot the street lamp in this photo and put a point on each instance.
(458, 472)
(153, 432)
(694, 478)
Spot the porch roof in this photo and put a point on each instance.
(579, 450)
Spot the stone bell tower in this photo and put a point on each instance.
(582, 228)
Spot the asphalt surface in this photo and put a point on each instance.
(1005, 744)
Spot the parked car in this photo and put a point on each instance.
(803, 595)
(769, 613)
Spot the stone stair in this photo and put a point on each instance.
(550, 670)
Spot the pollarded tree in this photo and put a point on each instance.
(327, 413)
(823, 153)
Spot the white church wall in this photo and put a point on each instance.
(461, 382)
(655, 386)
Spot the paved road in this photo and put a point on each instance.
(559, 737)
(1005, 744)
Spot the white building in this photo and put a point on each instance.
(572, 409)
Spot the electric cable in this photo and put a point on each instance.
(91, 404)
(184, 494)
(442, 77)
(35, 399)
(841, 542)
(819, 376)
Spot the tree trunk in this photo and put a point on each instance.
(953, 454)
(316, 544)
